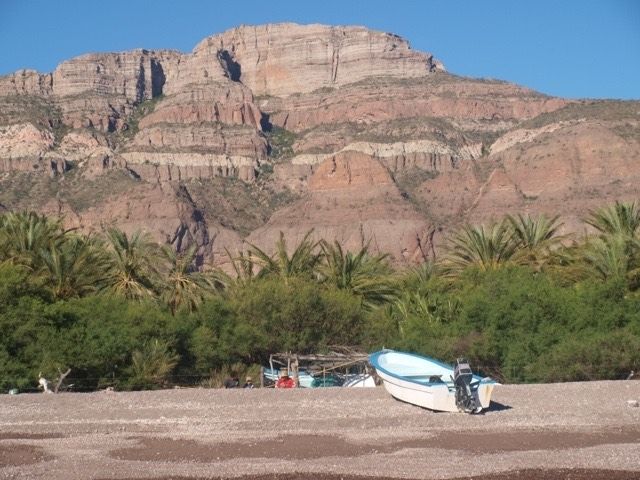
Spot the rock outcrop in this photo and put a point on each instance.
(439, 95)
(100, 90)
(427, 155)
(285, 59)
(160, 166)
(212, 102)
(137, 75)
(24, 141)
(354, 200)
(26, 82)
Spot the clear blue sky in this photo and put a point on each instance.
(571, 48)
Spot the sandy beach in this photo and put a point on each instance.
(563, 431)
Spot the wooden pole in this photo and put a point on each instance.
(261, 376)
(296, 374)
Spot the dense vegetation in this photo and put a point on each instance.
(523, 303)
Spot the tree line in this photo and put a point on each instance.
(523, 302)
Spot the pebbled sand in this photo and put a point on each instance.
(553, 432)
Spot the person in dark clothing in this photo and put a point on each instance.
(248, 383)
(232, 382)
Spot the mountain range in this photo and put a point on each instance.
(287, 128)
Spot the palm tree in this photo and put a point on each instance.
(606, 257)
(413, 303)
(425, 307)
(535, 238)
(243, 265)
(183, 286)
(303, 261)
(417, 276)
(615, 252)
(618, 219)
(132, 265)
(533, 232)
(24, 235)
(75, 267)
(609, 257)
(483, 248)
(368, 277)
(153, 363)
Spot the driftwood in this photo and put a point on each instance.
(337, 356)
(61, 378)
(44, 383)
(329, 358)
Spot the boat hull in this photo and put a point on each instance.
(359, 381)
(434, 396)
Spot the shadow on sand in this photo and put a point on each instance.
(497, 407)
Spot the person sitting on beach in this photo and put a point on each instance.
(248, 383)
(232, 382)
(285, 381)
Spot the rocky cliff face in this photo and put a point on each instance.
(26, 82)
(353, 199)
(285, 59)
(290, 127)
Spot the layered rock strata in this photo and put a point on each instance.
(439, 95)
(286, 59)
(100, 90)
(352, 199)
(427, 155)
(26, 82)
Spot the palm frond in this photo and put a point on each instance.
(366, 276)
(303, 260)
(133, 265)
(618, 219)
(183, 286)
(485, 248)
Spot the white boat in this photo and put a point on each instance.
(363, 380)
(431, 384)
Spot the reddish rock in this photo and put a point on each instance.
(228, 103)
(352, 200)
(438, 95)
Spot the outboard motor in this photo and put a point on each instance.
(462, 377)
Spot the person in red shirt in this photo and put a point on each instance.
(285, 381)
